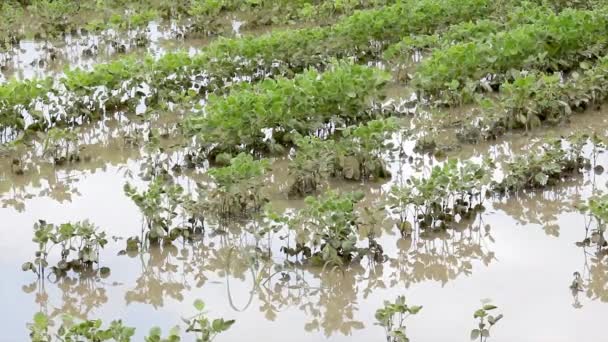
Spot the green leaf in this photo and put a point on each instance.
(199, 305)
(475, 334)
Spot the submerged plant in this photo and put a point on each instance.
(239, 185)
(392, 318)
(485, 322)
(361, 147)
(454, 190)
(203, 327)
(314, 160)
(355, 154)
(61, 145)
(79, 243)
(597, 207)
(326, 229)
(72, 330)
(543, 166)
(159, 204)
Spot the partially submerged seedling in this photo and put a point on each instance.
(543, 166)
(203, 327)
(451, 192)
(485, 322)
(326, 230)
(61, 145)
(239, 186)
(392, 318)
(356, 154)
(80, 244)
(160, 204)
(597, 208)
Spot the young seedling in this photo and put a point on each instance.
(392, 318)
(485, 322)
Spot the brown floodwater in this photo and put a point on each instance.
(521, 252)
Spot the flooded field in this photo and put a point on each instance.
(296, 178)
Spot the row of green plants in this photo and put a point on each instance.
(54, 18)
(535, 98)
(199, 326)
(555, 42)
(514, 13)
(264, 117)
(175, 77)
(49, 19)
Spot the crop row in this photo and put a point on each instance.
(58, 17)
(266, 115)
(555, 42)
(467, 31)
(531, 99)
(82, 95)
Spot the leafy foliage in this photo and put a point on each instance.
(304, 105)
(159, 204)
(326, 229)
(542, 166)
(452, 190)
(392, 318)
(79, 245)
(355, 155)
(554, 42)
(486, 322)
(239, 186)
(70, 330)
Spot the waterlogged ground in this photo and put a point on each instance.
(520, 252)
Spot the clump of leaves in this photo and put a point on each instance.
(71, 330)
(62, 145)
(361, 147)
(306, 104)
(543, 166)
(326, 229)
(159, 204)
(79, 243)
(392, 318)
(203, 327)
(597, 207)
(355, 155)
(485, 64)
(238, 192)
(451, 191)
(314, 160)
(485, 322)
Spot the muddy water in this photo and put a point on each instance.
(520, 252)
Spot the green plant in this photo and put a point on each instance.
(61, 145)
(554, 42)
(326, 229)
(485, 322)
(544, 165)
(159, 204)
(392, 318)
(360, 149)
(71, 330)
(355, 154)
(203, 327)
(453, 190)
(307, 104)
(314, 160)
(80, 244)
(239, 185)
(597, 207)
